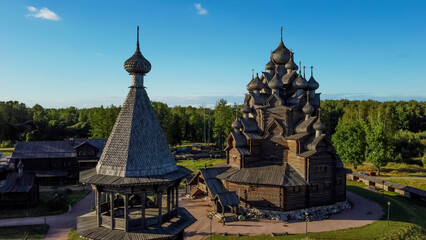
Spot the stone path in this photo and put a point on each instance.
(60, 225)
(362, 213)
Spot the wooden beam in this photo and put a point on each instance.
(98, 207)
(143, 202)
(126, 211)
(111, 205)
(159, 203)
(168, 203)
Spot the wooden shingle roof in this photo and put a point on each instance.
(54, 149)
(14, 183)
(137, 146)
(273, 175)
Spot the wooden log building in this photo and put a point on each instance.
(136, 175)
(56, 162)
(19, 189)
(277, 156)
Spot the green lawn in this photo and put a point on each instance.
(72, 235)
(408, 220)
(194, 165)
(7, 151)
(24, 232)
(393, 169)
(42, 209)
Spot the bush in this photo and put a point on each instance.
(6, 144)
(424, 160)
(57, 203)
(68, 191)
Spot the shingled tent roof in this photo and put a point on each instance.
(136, 146)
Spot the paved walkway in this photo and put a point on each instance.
(362, 213)
(60, 225)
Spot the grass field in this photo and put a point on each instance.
(72, 235)
(42, 209)
(194, 165)
(7, 151)
(393, 169)
(24, 232)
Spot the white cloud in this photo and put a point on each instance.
(43, 13)
(200, 9)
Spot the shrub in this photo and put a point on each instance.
(57, 203)
(68, 191)
(424, 160)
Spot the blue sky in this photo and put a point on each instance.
(71, 53)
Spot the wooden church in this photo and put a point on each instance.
(277, 156)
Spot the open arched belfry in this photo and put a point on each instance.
(277, 156)
(136, 180)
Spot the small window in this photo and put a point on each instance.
(253, 189)
(314, 187)
(327, 185)
(290, 189)
(321, 168)
(296, 189)
(339, 181)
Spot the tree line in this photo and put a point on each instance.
(361, 130)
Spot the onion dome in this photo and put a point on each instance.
(308, 109)
(290, 65)
(281, 55)
(318, 125)
(276, 82)
(270, 65)
(255, 84)
(246, 109)
(236, 125)
(249, 86)
(312, 83)
(300, 82)
(137, 63)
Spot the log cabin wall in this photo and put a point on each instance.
(340, 187)
(294, 197)
(298, 163)
(321, 178)
(267, 197)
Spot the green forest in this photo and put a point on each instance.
(377, 132)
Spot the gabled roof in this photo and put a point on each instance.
(137, 146)
(305, 125)
(274, 175)
(54, 149)
(228, 198)
(14, 183)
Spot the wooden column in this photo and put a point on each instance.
(126, 211)
(177, 196)
(160, 206)
(143, 202)
(111, 206)
(168, 203)
(177, 200)
(173, 198)
(98, 207)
